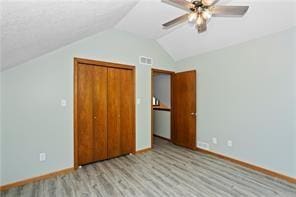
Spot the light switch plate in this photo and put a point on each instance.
(214, 140)
(42, 157)
(138, 101)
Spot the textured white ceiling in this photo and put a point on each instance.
(147, 17)
(34, 27)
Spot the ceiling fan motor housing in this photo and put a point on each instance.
(198, 5)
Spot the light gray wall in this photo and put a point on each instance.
(294, 63)
(33, 120)
(162, 123)
(162, 88)
(162, 119)
(246, 93)
(1, 139)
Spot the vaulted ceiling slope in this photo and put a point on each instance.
(35, 27)
(32, 28)
(263, 17)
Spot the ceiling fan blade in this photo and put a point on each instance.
(210, 2)
(183, 4)
(176, 21)
(229, 10)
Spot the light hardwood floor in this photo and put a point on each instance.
(167, 170)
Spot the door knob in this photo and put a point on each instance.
(193, 114)
(95, 117)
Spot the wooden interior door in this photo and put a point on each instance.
(114, 102)
(99, 113)
(85, 114)
(92, 113)
(184, 109)
(127, 98)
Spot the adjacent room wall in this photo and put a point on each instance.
(1, 139)
(162, 119)
(162, 88)
(33, 119)
(246, 93)
(294, 63)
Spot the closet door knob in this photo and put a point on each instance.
(95, 117)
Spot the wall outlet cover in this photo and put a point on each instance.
(214, 140)
(229, 143)
(203, 145)
(42, 157)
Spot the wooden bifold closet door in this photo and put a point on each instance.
(104, 112)
(92, 108)
(120, 112)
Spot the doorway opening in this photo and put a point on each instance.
(161, 108)
(173, 107)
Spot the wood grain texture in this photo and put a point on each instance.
(161, 107)
(127, 103)
(75, 115)
(166, 170)
(93, 83)
(157, 71)
(103, 63)
(251, 166)
(114, 103)
(85, 114)
(184, 109)
(36, 179)
(100, 108)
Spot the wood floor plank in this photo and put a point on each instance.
(167, 170)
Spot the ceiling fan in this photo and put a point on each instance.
(201, 11)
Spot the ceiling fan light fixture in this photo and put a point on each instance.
(200, 20)
(192, 17)
(200, 12)
(207, 14)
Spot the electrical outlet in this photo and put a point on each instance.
(229, 143)
(214, 140)
(42, 157)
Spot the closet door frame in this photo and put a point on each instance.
(78, 61)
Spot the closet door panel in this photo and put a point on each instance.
(100, 112)
(126, 111)
(85, 114)
(114, 99)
